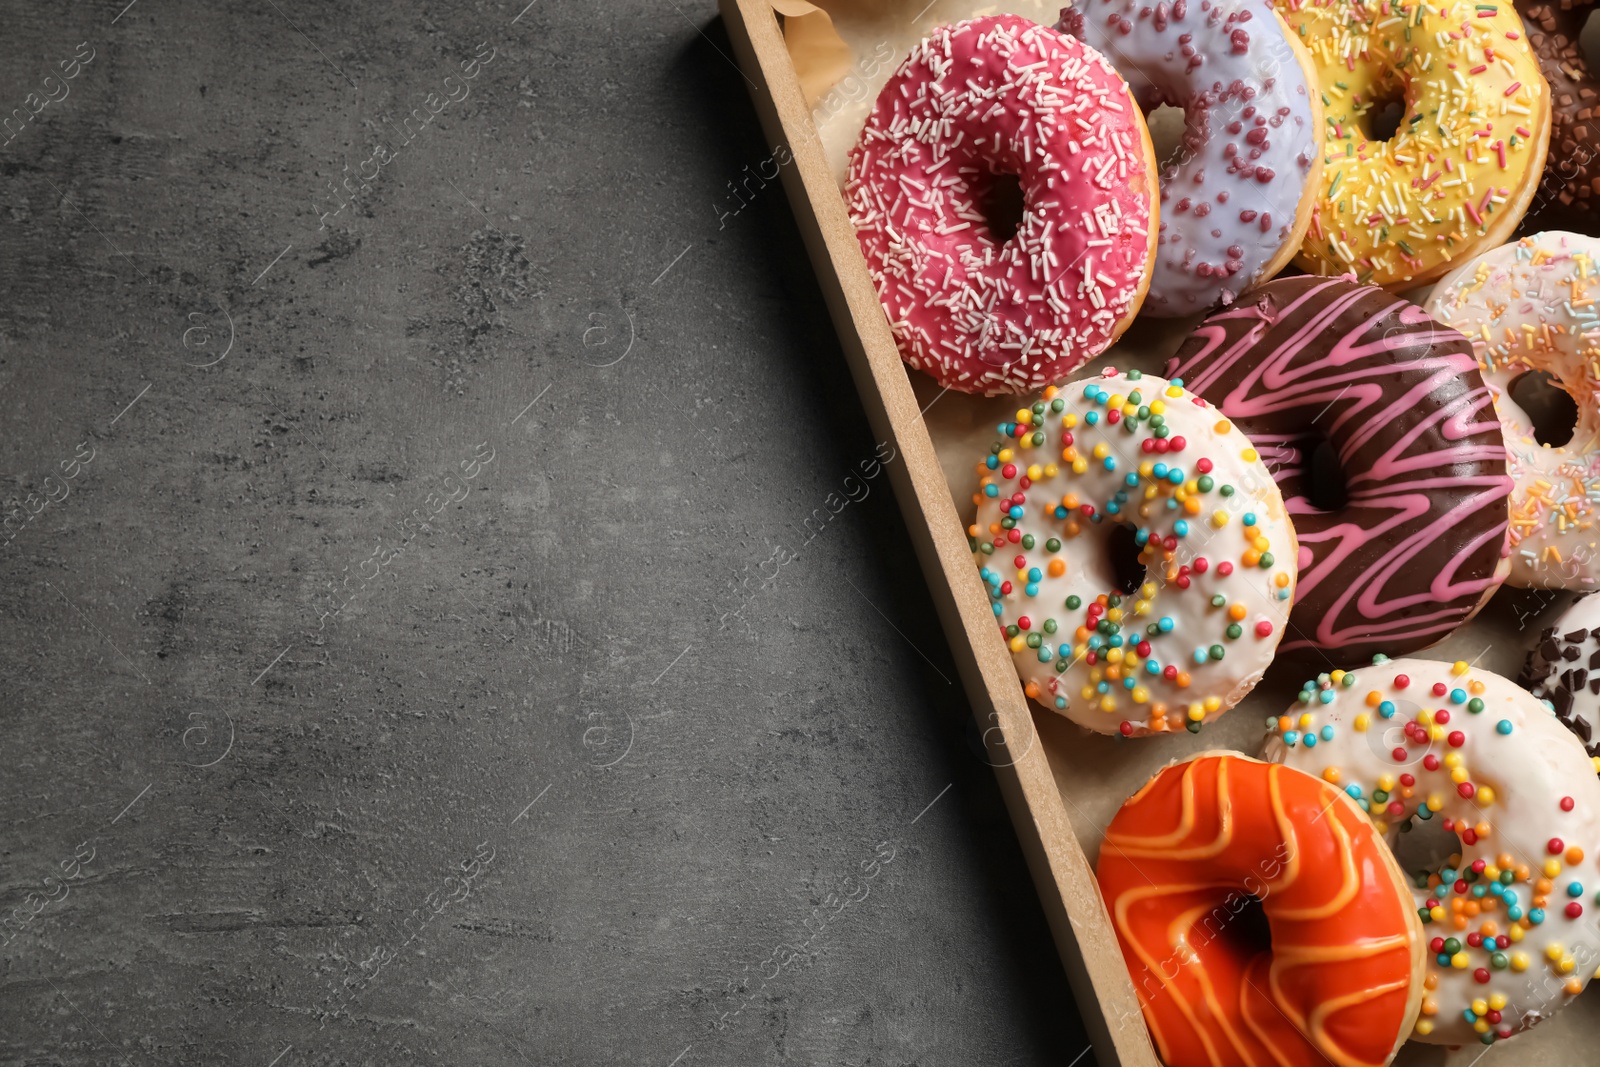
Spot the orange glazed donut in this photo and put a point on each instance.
(1335, 971)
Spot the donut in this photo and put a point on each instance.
(1530, 306)
(1137, 555)
(1571, 175)
(1184, 865)
(1418, 544)
(1563, 670)
(1464, 162)
(1234, 207)
(973, 102)
(1414, 740)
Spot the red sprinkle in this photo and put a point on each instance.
(1556, 846)
(1263, 629)
(1467, 790)
(1567, 803)
(1574, 910)
(1401, 681)
(1440, 689)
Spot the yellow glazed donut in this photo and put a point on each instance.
(1462, 167)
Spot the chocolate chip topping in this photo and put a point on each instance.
(1549, 675)
(1569, 191)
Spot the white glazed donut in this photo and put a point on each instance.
(1115, 636)
(1563, 668)
(1531, 306)
(1511, 930)
(1235, 203)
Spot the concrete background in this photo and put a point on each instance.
(601, 756)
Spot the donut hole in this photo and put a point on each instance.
(1241, 925)
(1002, 205)
(1323, 477)
(1589, 40)
(1552, 411)
(1424, 847)
(1167, 124)
(1123, 551)
(1385, 115)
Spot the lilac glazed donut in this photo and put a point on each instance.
(1234, 207)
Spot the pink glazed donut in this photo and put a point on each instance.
(974, 101)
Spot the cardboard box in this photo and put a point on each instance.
(1061, 784)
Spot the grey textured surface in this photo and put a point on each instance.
(615, 759)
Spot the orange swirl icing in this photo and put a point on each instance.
(1339, 981)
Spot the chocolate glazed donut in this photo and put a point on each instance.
(1572, 169)
(1419, 542)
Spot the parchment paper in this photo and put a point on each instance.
(844, 52)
